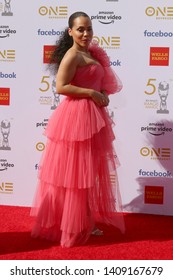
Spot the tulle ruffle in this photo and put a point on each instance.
(78, 120)
(76, 164)
(68, 216)
(110, 82)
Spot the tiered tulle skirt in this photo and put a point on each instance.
(78, 185)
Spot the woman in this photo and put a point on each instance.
(75, 191)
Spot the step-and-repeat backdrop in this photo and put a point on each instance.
(138, 37)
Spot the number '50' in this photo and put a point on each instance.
(151, 87)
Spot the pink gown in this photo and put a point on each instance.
(75, 190)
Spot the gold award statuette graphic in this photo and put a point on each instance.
(5, 130)
(7, 8)
(163, 90)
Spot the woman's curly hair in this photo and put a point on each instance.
(64, 43)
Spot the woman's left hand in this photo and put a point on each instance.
(105, 99)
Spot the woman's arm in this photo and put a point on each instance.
(66, 72)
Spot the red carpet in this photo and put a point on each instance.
(147, 237)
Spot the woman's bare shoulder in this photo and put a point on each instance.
(72, 56)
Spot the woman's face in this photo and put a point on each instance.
(81, 32)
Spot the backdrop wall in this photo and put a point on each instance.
(138, 38)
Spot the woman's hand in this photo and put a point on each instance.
(100, 98)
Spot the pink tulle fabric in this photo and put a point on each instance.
(75, 189)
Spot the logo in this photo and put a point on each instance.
(154, 195)
(5, 31)
(162, 90)
(115, 63)
(5, 130)
(47, 53)
(45, 100)
(157, 34)
(156, 153)
(109, 42)
(154, 173)
(105, 17)
(7, 55)
(4, 165)
(151, 104)
(37, 166)
(51, 32)
(156, 129)
(159, 56)
(4, 96)
(7, 76)
(46, 85)
(160, 12)
(40, 146)
(42, 124)
(6, 8)
(54, 12)
(6, 188)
